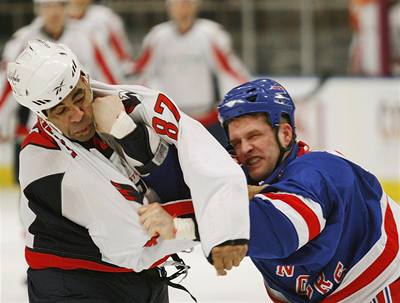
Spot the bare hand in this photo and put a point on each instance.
(255, 189)
(227, 256)
(106, 111)
(157, 221)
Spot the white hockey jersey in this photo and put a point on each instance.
(111, 42)
(186, 66)
(79, 208)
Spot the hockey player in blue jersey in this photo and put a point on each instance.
(322, 228)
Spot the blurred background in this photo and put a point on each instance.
(285, 37)
(339, 59)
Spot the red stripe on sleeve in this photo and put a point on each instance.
(103, 65)
(117, 45)
(378, 266)
(143, 60)
(222, 58)
(179, 208)
(314, 227)
(5, 94)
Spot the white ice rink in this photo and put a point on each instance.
(243, 284)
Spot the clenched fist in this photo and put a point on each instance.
(156, 221)
(226, 256)
(106, 111)
(255, 189)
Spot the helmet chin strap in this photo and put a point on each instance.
(42, 116)
(282, 150)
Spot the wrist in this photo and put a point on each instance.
(123, 126)
(185, 229)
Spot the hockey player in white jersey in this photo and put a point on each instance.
(107, 32)
(81, 188)
(189, 54)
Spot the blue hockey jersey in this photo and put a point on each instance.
(323, 230)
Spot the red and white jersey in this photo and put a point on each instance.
(185, 66)
(79, 203)
(108, 36)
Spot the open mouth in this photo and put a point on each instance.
(253, 161)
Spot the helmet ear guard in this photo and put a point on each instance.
(43, 75)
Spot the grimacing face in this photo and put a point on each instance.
(74, 115)
(254, 142)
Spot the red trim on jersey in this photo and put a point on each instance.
(222, 58)
(271, 296)
(390, 294)
(21, 131)
(275, 300)
(143, 60)
(6, 92)
(381, 298)
(378, 266)
(395, 291)
(40, 138)
(314, 227)
(303, 148)
(118, 46)
(103, 65)
(179, 208)
(208, 118)
(37, 260)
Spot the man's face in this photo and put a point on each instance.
(77, 8)
(54, 16)
(74, 115)
(254, 142)
(182, 11)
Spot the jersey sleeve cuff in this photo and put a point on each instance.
(123, 126)
(185, 229)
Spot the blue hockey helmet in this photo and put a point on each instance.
(257, 96)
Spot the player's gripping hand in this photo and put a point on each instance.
(110, 117)
(156, 221)
(225, 256)
(255, 189)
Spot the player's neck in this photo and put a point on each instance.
(53, 34)
(185, 26)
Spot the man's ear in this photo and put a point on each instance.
(85, 78)
(285, 134)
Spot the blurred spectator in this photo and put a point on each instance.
(365, 46)
(394, 23)
(107, 31)
(192, 60)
